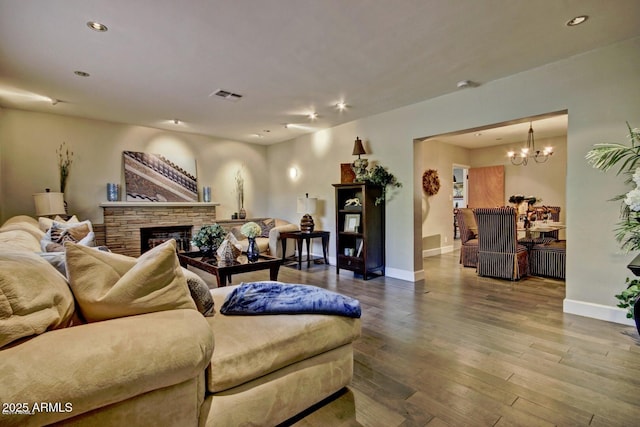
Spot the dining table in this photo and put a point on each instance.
(537, 231)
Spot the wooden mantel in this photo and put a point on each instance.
(123, 221)
(156, 204)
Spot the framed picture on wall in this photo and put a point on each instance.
(351, 222)
(155, 178)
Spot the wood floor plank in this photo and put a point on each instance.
(460, 350)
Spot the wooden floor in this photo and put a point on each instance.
(460, 350)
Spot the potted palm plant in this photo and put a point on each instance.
(626, 159)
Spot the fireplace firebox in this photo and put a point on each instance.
(151, 237)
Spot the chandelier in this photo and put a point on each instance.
(529, 152)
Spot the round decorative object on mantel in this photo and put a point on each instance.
(430, 182)
(242, 214)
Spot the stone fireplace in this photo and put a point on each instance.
(124, 221)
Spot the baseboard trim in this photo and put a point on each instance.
(396, 273)
(410, 276)
(437, 251)
(597, 311)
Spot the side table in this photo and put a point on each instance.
(301, 237)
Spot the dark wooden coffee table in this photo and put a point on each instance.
(224, 271)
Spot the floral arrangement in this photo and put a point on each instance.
(209, 237)
(251, 230)
(65, 158)
(430, 182)
(379, 175)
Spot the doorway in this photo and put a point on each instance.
(483, 148)
(460, 197)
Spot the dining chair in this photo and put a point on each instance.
(499, 254)
(555, 216)
(468, 237)
(549, 259)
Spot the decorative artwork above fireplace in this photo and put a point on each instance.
(155, 178)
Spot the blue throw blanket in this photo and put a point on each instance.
(283, 298)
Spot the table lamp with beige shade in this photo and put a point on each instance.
(307, 206)
(49, 204)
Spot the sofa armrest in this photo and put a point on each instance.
(94, 365)
(275, 246)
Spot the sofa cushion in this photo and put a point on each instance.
(45, 223)
(21, 219)
(266, 226)
(199, 293)
(248, 347)
(30, 228)
(99, 365)
(60, 232)
(108, 285)
(34, 297)
(18, 240)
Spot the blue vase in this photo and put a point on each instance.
(252, 251)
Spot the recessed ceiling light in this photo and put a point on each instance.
(96, 26)
(313, 115)
(286, 125)
(577, 20)
(81, 73)
(463, 84)
(176, 121)
(341, 106)
(257, 135)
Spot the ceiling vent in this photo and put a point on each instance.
(225, 94)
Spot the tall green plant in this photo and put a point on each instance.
(626, 159)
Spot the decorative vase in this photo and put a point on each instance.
(252, 251)
(636, 314)
(113, 192)
(242, 214)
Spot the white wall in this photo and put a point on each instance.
(600, 89)
(437, 210)
(28, 163)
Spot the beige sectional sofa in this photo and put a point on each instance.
(170, 367)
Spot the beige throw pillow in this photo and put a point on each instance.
(34, 297)
(108, 285)
(45, 223)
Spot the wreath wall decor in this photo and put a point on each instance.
(430, 182)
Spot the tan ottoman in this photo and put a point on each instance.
(268, 368)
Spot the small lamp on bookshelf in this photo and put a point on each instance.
(307, 206)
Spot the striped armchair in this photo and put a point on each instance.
(468, 237)
(499, 254)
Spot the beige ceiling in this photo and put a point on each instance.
(513, 133)
(161, 59)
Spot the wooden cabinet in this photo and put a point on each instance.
(359, 229)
